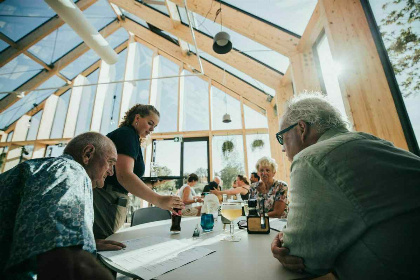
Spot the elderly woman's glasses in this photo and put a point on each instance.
(279, 135)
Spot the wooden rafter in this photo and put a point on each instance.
(176, 21)
(272, 37)
(210, 70)
(44, 75)
(37, 35)
(235, 59)
(61, 91)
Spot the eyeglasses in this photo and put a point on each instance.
(279, 135)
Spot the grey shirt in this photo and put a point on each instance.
(355, 208)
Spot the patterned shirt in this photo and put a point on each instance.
(277, 192)
(44, 204)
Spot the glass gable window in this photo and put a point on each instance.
(142, 70)
(135, 18)
(400, 31)
(254, 119)
(18, 18)
(291, 15)
(167, 95)
(195, 103)
(258, 146)
(80, 64)
(110, 113)
(57, 128)
(3, 45)
(228, 158)
(62, 40)
(84, 116)
(33, 129)
(223, 103)
(17, 72)
(330, 71)
(32, 99)
(195, 160)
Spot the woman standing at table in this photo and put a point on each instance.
(240, 186)
(111, 202)
(273, 192)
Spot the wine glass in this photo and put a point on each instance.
(231, 211)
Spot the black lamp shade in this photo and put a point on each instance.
(222, 43)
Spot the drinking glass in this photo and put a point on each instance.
(231, 211)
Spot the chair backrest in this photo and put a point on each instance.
(149, 214)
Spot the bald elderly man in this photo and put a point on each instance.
(355, 198)
(46, 213)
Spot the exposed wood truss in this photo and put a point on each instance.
(235, 59)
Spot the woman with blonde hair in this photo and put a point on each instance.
(111, 202)
(271, 192)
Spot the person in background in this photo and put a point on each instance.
(254, 177)
(240, 186)
(354, 206)
(46, 213)
(219, 182)
(269, 190)
(110, 203)
(186, 194)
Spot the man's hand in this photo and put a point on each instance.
(282, 254)
(108, 245)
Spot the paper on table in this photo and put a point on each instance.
(278, 224)
(152, 256)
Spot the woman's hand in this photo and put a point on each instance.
(169, 202)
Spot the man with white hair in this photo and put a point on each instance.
(355, 198)
(46, 213)
(219, 181)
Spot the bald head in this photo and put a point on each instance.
(76, 145)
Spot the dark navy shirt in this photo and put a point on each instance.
(127, 142)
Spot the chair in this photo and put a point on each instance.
(149, 214)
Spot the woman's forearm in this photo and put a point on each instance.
(278, 210)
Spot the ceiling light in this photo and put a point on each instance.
(226, 118)
(222, 43)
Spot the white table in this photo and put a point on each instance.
(250, 258)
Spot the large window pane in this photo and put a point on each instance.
(166, 158)
(195, 100)
(258, 146)
(223, 103)
(400, 29)
(228, 158)
(254, 119)
(33, 129)
(167, 95)
(86, 104)
(142, 70)
(113, 95)
(60, 115)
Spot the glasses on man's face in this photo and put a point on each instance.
(279, 135)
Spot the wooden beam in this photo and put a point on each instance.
(304, 72)
(176, 21)
(235, 59)
(210, 70)
(205, 133)
(38, 34)
(268, 35)
(44, 75)
(363, 82)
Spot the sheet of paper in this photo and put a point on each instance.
(278, 224)
(152, 256)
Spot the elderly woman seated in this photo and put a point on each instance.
(240, 187)
(269, 190)
(187, 195)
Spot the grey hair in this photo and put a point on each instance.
(78, 143)
(266, 161)
(315, 109)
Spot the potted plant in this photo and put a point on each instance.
(257, 144)
(227, 147)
